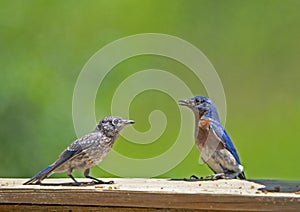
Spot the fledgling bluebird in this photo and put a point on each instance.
(215, 146)
(86, 152)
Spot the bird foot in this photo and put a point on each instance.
(94, 182)
(97, 182)
(78, 184)
(193, 178)
(216, 176)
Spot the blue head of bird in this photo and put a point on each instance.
(202, 107)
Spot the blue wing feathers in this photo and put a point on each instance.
(41, 175)
(222, 134)
(65, 156)
(45, 171)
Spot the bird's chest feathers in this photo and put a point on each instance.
(206, 140)
(202, 131)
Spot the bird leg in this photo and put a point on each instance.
(75, 181)
(87, 175)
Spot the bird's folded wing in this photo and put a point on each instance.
(76, 148)
(224, 137)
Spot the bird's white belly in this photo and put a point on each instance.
(215, 155)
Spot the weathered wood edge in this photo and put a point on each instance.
(148, 200)
(145, 199)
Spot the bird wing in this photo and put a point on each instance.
(77, 147)
(65, 156)
(224, 137)
(72, 151)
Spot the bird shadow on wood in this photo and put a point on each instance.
(193, 178)
(283, 186)
(91, 183)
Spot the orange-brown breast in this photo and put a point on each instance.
(202, 132)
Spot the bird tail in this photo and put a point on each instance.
(242, 176)
(41, 175)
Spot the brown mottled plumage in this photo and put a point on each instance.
(85, 152)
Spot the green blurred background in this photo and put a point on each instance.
(254, 46)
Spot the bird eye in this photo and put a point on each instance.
(115, 121)
(197, 100)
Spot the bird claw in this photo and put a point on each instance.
(215, 176)
(103, 182)
(78, 184)
(209, 177)
(94, 182)
(193, 178)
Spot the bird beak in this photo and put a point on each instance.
(186, 102)
(128, 121)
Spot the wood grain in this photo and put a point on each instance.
(152, 195)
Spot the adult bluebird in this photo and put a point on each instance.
(215, 146)
(86, 152)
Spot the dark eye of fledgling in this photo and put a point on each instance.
(115, 122)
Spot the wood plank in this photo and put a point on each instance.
(148, 194)
(10, 208)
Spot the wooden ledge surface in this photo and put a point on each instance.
(140, 194)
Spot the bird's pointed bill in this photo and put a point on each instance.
(129, 122)
(185, 102)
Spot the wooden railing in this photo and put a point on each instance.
(152, 195)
